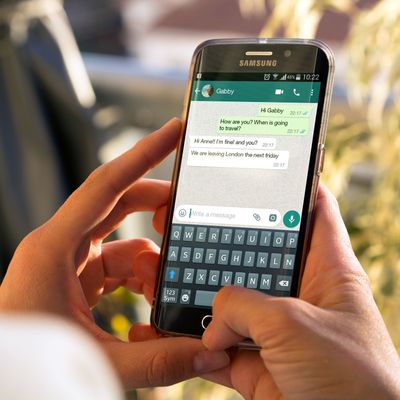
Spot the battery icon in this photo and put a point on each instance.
(298, 77)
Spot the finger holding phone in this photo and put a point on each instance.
(330, 344)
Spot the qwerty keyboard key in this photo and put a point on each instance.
(239, 236)
(176, 232)
(201, 234)
(265, 238)
(173, 253)
(188, 275)
(291, 241)
(275, 261)
(226, 279)
(169, 295)
(262, 260)
(211, 255)
(278, 239)
(201, 276)
(204, 298)
(226, 236)
(249, 257)
(172, 275)
(252, 237)
(198, 255)
(236, 258)
(223, 257)
(188, 233)
(288, 261)
(265, 283)
(252, 281)
(185, 296)
(239, 278)
(213, 278)
(213, 235)
(283, 282)
(185, 254)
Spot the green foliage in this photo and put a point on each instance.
(363, 144)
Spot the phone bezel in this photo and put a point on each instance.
(188, 322)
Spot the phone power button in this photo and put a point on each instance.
(321, 160)
(206, 321)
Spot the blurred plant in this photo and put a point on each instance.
(294, 18)
(363, 146)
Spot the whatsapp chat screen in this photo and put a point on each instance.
(246, 153)
(240, 190)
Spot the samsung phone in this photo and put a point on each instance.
(245, 176)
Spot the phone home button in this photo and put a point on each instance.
(206, 321)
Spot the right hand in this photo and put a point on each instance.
(329, 344)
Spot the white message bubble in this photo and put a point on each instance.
(229, 142)
(222, 158)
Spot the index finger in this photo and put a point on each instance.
(97, 196)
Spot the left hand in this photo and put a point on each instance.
(64, 267)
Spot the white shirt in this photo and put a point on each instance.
(48, 358)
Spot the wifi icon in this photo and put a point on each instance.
(275, 75)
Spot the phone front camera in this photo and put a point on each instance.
(287, 53)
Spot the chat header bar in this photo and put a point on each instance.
(249, 91)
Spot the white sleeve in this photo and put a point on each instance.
(47, 358)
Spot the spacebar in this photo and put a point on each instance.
(204, 298)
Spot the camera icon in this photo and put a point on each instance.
(273, 218)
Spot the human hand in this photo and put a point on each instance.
(329, 344)
(64, 267)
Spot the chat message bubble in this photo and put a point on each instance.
(264, 125)
(222, 158)
(289, 110)
(229, 142)
(281, 119)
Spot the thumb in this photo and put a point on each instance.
(330, 236)
(163, 362)
(333, 277)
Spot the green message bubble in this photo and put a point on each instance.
(264, 125)
(292, 111)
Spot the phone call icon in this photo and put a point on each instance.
(295, 92)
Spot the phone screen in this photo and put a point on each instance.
(241, 192)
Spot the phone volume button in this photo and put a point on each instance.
(321, 160)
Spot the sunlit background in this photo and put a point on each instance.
(57, 123)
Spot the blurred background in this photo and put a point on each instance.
(78, 87)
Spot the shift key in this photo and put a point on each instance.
(204, 298)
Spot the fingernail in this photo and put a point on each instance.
(207, 361)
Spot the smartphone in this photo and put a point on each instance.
(245, 177)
